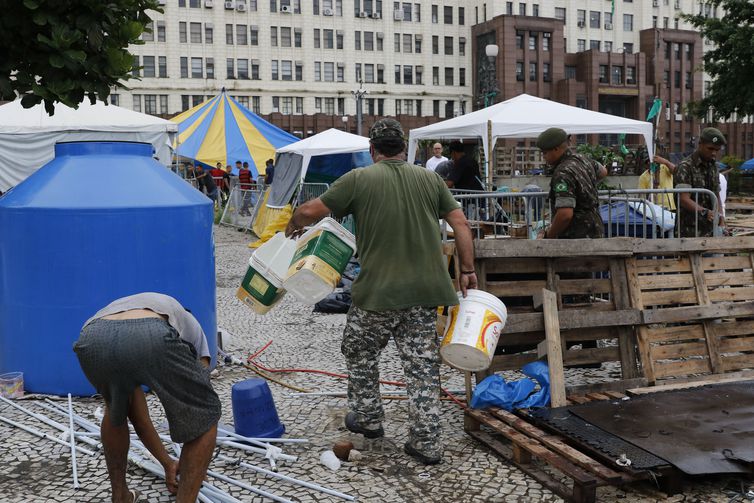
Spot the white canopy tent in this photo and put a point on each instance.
(28, 135)
(526, 116)
(292, 161)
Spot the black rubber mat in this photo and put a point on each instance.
(704, 430)
(569, 425)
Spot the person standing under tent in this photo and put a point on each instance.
(436, 158)
(269, 172)
(245, 182)
(403, 279)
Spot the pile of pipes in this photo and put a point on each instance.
(83, 437)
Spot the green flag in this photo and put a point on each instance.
(612, 9)
(656, 107)
(622, 139)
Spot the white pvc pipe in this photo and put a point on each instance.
(260, 440)
(73, 443)
(253, 489)
(46, 420)
(42, 434)
(310, 485)
(217, 494)
(257, 450)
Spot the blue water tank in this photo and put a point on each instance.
(101, 221)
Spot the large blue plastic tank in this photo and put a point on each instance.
(100, 221)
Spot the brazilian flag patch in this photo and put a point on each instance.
(561, 187)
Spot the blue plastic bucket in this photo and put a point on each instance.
(254, 413)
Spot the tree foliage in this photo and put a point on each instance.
(63, 51)
(730, 62)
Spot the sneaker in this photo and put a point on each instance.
(412, 451)
(355, 427)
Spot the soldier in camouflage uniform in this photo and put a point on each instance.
(573, 189)
(403, 279)
(699, 171)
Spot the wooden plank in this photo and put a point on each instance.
(626, 338)
(681, 368)
(666, 281)
(731, 294)
(652, 265)
(703, 245)
(615, 395)
(591, 355)
(736, 344)
(553, 442)
(555, 248)
(554, 348)
(584, 286)
(676, 333)
(735, 278)
(572, 319)
(642, 332)
(703, 296)
(741, 374)
(597, 396)
(738, 327)
(516, 265)
(668, 297)
(697, 382)
(684, 350)
(726, 262)
(579, 399)
(580, 264)
(693, 313)
(738, 362)
(481, 273)
(515, 288)
(553, 281)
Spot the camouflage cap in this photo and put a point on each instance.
(386, 128)
(551, 138)
(713, 135)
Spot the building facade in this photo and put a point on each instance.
(297, 62)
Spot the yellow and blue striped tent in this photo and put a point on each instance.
(223, 130)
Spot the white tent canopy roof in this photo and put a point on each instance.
(15, 119)
(526, 116)
(331, 141)
(28, 135)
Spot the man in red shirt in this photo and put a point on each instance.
(245, 181)
(219, 175)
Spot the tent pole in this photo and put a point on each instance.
(488, 153)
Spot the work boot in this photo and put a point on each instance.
(412, 451)
(353, 425)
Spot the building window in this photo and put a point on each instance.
(397, 74)
(560, 13)
(184, 67)
(408, 107)
(521, 9)
(356, 40)
(448, 46)
(408, 42)
(285, 37)
(230, 68)
(148, 34)
(461, 16)
(209, 34)
(677, 79)
(286, 70)
(546, 72)
(195, 30)
(535, 10)
(609, 20)
(628, 22)
(299, 105)
(317, 38)
(594, 44)
(329, 72)
(338, 40)
(608, 46)
(115, 99)
(418, 44)
(533, 72)
(419, 71)
(435, 19)
(594, 19)
(196, 68)
(274, 36)
(519, 71)
(162, 67)
(369, 73)
(299, 69)
(688, 80)
(287, 107)
(617, 73)
(328, 39)
(182, 37)
(447, 15)
(148, 67)
(397, 42)
(435, 44)
(570, 72)
(546, 41)
(628, 48)
(603, 74)
(276, 104)
(461, 77)
(242, 37)
(580, 45)
(229, 34)
(532, 42)
(435, 75)
(408, 74)
(581, 18)
(255, 69)
(210, 67)
(631, 75)
(275, 69)
(161, 31)
(519, 40)
(254, 35)
(448, 76)
(398, 108)
(137, 102)
(242, 66)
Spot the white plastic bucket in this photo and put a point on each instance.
(472, 331)
(261, 287)
(12, 385)
(322, 254)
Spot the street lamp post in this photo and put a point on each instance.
(358, 95)
(489, 87)
(345, 123)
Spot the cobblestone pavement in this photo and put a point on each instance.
(35, 470)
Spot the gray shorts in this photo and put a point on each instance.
(119, 355)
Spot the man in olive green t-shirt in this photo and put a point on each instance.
(403, 279)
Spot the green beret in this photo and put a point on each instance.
(713, 135)
(551, 138)
(386, 128)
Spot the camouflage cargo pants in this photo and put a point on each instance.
(413, 329)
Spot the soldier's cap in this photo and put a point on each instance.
(713, 135)
(551, 138)
(386, 128)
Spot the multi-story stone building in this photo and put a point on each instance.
(296, 62)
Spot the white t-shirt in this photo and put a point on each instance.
(723, 192)
(181, 320)
(433, 161)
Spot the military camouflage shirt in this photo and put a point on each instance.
(695, 172)
(574, 185)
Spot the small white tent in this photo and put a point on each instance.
(293, 161)
(526, 116)
(28, 135)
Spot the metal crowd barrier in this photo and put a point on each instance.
(241, 205)
(308, 191)
(629, 212)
